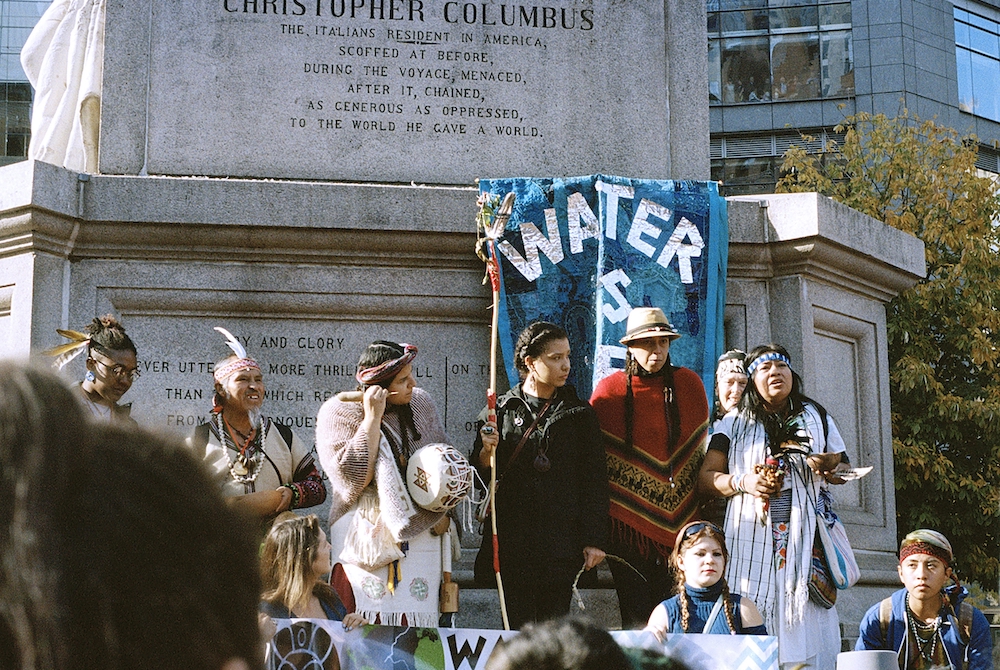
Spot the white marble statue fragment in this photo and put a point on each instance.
(64, 60)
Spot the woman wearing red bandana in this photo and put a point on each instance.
(387, 551)
(260, 464)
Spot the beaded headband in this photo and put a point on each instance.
(388, 369)
(224, 372)
(242, 362)
(764, 358)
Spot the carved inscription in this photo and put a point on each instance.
(413, 67)
(300, 373)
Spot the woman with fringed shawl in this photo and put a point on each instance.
(654, 417)
(771, 518)
(364, 448)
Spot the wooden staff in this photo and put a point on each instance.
(493, 224)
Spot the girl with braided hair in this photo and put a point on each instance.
(654, 418)
(551, 496)
(703, 603)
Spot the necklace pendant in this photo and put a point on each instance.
(240, 468)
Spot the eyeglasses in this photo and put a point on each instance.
(119, 371)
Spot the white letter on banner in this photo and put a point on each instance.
(613, 191)
(641, 225)
(578, 210)
(685, 252)
(610, 282)
(530, 265)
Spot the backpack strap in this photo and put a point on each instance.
(884, 615)
(965, 622)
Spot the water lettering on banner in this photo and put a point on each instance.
(582, 252)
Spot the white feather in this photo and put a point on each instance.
(233, 343)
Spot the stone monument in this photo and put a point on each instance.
(302, 173)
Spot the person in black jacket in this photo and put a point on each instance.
(552, 491)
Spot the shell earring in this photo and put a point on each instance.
(90, 377)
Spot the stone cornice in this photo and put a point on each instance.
(792, 234)
(234, 220)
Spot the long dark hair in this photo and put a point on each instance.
(532, 342)
(632, 367)
(752, 403)
(377, 353)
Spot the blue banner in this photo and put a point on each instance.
(582, 252)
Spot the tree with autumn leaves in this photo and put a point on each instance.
(944, 333)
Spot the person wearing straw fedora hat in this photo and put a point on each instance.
(654, 418)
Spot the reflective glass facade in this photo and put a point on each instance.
(17, 18)
(773, 50)
(977, 53)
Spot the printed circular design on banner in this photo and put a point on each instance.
(373, 588)
(419, 588)
(303, 644)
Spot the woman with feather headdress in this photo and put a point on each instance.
(112, 366)
(259, 463)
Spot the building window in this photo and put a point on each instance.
(17, 18)
(977, 52)
(765, 50)
(751, 164)
(15, 121)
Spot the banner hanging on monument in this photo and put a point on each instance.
(581, 252)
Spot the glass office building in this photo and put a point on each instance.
(780, 69)
(17, 18)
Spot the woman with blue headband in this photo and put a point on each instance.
(773, 457)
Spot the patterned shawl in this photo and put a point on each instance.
(753, 566)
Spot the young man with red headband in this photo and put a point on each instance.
(927, 623)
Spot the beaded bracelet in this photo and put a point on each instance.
(295, 496)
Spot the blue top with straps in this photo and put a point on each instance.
(700, 604)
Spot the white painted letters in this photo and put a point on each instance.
(578, 211)
(530, 265)
(684, 252)
(613, 192)
(641, 225)
(610, 283)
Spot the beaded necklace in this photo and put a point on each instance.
(251, 454)
(920, 632)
